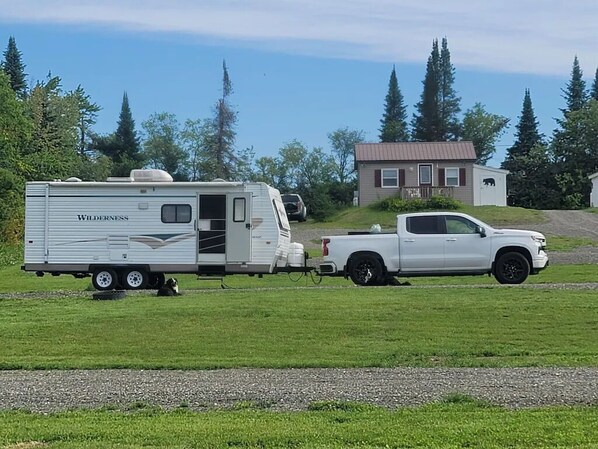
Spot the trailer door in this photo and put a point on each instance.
(238, 227)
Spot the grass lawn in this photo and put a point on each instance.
(305, 327)
(442, 425)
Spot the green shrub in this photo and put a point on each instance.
(396, 204)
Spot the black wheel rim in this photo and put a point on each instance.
(512, 269)
(364, 271)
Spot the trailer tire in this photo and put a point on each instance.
(109, 295)
(104, 279)
(366, 270)
(134, 279)
(155, 281)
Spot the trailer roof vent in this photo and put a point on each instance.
(73, 179)
(150, 175)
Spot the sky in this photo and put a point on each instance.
(303, 69)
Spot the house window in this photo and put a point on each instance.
(451, 177)
(425, 174)
(390, 178)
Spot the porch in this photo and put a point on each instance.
(425, 192)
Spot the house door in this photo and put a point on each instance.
(425, 180)
(238, 225)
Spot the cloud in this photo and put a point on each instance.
(520, 36)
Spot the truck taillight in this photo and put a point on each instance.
(325, 243)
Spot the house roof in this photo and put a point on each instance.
(415, 151)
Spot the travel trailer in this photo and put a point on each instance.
(129, 232)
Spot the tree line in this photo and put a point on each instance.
(48, 133)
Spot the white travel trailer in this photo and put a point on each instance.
(128, 232)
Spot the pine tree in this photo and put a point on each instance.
(575, 94)
(449, 102)
(594, 90)
(527, 134)
(123, 146)
(528, 144)
(394, 120)
(426, 122)
(15, 69)
(436, 118)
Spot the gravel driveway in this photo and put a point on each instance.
(295, 389)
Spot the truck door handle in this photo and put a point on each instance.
(451, 240)
(409, 240)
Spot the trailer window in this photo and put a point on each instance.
(176, 213)
(281, 215)
(239, 209)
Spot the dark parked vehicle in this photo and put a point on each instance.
(295, 207)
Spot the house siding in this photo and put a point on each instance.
(368, 193)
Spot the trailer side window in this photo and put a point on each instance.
(239, 209)
(176, 213)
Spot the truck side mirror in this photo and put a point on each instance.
(480, 230)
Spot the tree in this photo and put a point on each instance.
(575, 152)
(594, 90)
(343, 143)
(449, 102)
(162, 148)
(527, 137)
(437, 112)
(15, 69)
(123, 146)
(426, 125)
(15, 128)
(394, 120)
(53, 149)
(483, 129)
(88, 113)
(221, 148)
(575, 94)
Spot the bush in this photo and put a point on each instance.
(395, 204)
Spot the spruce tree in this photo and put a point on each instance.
(426, 125)
(15, 69)
(575, 94)
(527, 134)
(436, 118)
(449, 102)
(123, 146)
(594, 90)
(528, 140)
(394, 120)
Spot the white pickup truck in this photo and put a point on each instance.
(435, 244)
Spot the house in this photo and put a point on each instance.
(594, 193)
(425, 169)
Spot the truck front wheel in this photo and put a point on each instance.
(511, 268)
(366, 270)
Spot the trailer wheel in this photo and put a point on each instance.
(104, 279)
(366, 270)
(134, 279)
(155, 281)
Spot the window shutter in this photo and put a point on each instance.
(401, 177)
(441, 177)
(377, 178)
(462, 177)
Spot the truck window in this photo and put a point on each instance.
(459, 225)
(427, 224)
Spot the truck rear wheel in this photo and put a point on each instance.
(366, 270)
(511, 268)
(104, 279)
